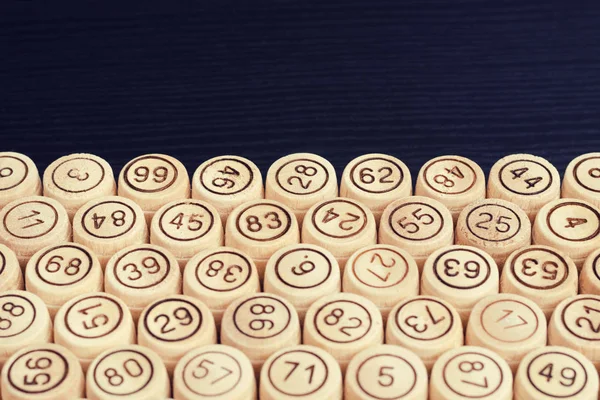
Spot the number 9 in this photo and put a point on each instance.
(474, 269)
(160, 174)
(141, 174)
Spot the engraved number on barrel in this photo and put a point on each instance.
(225, 182)
(413, 321)
(182, 316)
(258, 324)
(344, 223)
(14, 310)
(367, 175)
(500, 224)
(334, 317)
(422, 218)
(294, 365)
(566, 376)
(71, 268)
(448, 180)
(158, 174)
(38, 378)
(215, 266)
(207, 367)
(30, 221)
(130, 367)
(271, 218)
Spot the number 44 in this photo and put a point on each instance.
(531, 182)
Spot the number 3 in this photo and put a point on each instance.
(75, 174)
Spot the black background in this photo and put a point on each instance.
(415, 79)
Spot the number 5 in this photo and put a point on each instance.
(406, 225)
(500, 222)
(203, 368)
(382, 373)
(34, 381)
(419, 217)
(194, 223)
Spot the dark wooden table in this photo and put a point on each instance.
(415, 79)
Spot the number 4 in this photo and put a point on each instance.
(573, 222)
(546, 372)
(229, 171)
(518, 173)
(456, 172)
(177, 221)
(330, 215)
(98, 221)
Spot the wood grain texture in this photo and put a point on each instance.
(416, 79)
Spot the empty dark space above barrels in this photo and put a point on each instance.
(415, 79)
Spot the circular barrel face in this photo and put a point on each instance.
(376, 180)
(60, 272)
(386, 372)
(542, 274)
(471, 372)
(43, 370)
(226, 182)
(461, 275)
(259, 325)
(452, 180)
(186, 227)
(174, 324)
(19, 178)
(571, 226)
(92, 323)
(573, 324)
(304, 372)
(510, 325)
(526, 180)
(215, 371)
(130, 370)
(218, 277)
(31, 223)
(581, 179)
(152, 181)
(301, 180)
(75, 179)
(302, 274)
(341, 226)
(426, 325)
(495, 226)
(383, 274)
(109, 224)
(260, 228)
(418, 225)
(141, 274)
(343, 324)
(556, 372)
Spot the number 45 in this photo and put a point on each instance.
(194, 224)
